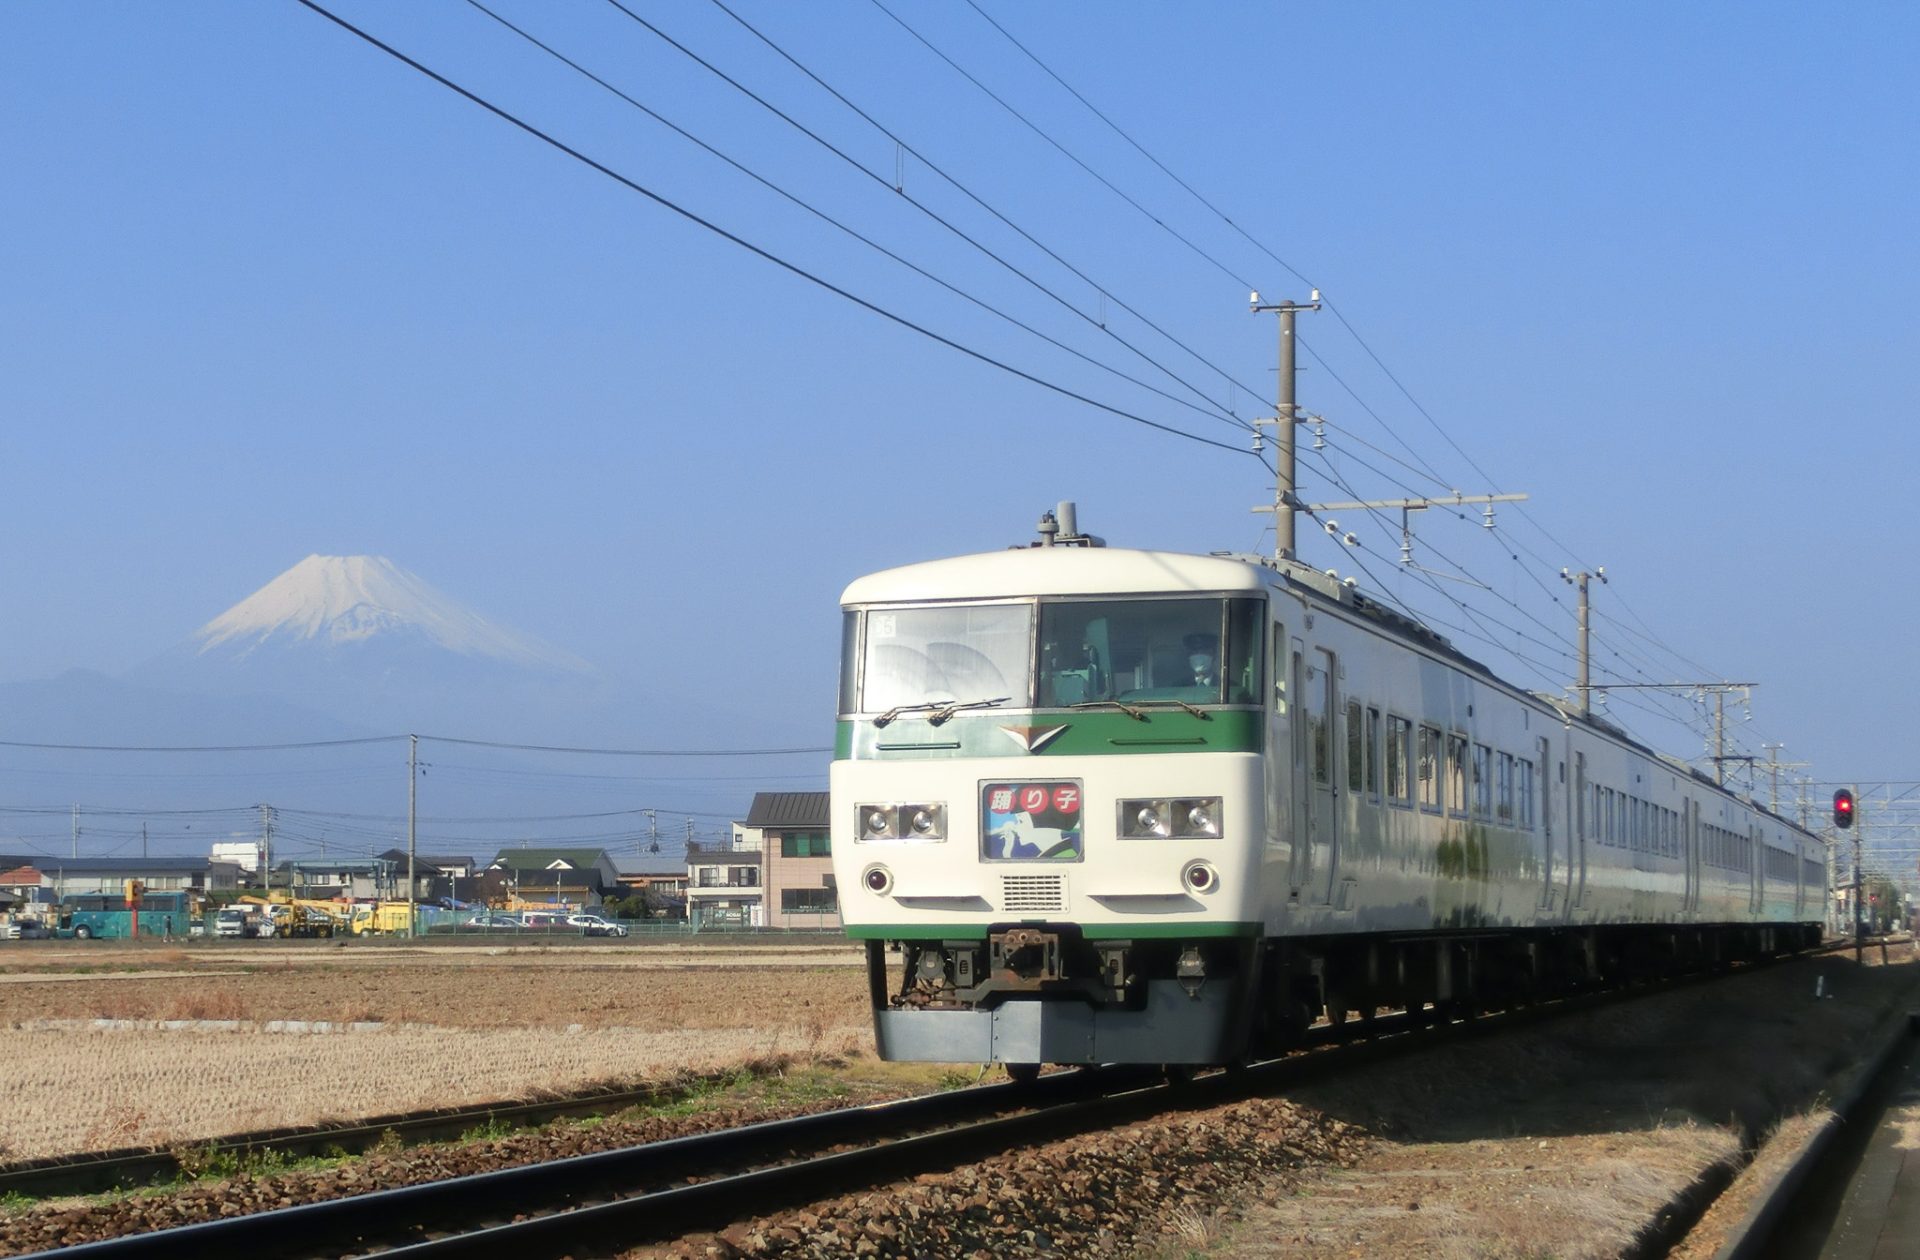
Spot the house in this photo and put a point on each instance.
(575, 877)
(74, 877)
(662, 884)
(723, 886)
(796, 861)
(362, 879)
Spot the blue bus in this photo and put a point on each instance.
(102, 916)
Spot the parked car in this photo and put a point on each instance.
(493, 921)
(542, 920)
(594, 925)
(24, 930)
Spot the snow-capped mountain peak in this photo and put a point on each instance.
(337, 601)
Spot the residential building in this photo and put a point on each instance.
(74, 877)
(723, 887)
(575, 877)
(796, 862)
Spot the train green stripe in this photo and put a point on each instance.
(1091, 931)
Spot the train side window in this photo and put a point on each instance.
(1526, 795)
(1356, 748)
(1503, 802)
(1373, 752)
(1456, 774)
(1428, 763)
(1482, 781)
(1399, 757)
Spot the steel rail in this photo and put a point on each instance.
(589, 1199)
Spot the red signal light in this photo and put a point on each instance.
(1843, 808)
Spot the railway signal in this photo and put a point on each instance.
(1843, 808)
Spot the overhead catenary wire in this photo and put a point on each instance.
(961, 187)
(785, 265)
(1212, 413)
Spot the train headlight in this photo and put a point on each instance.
(1199, 877)
(894, 821)
(1182, 818)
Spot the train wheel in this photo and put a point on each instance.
(1177, 1074)
(1023, 1073)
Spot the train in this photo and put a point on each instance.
(1093, 804)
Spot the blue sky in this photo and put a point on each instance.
(268, 292)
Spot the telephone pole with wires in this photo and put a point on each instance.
(1285, 423)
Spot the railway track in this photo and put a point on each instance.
(137, 1167)
(657, 1192)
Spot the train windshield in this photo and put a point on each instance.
(962, 654)
(1185, 651)
(1192, 651)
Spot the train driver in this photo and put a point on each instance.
(1204, 659)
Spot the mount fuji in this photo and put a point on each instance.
(364, 641)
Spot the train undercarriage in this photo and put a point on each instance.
(1028, 994)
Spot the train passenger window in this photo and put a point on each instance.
(1482, 767)
(1503, 801)
(1526, 795)
(1613, 818)
(1399, 758)
(850, 662)
(1428, 763)
(1373, 752)
(1456, 774)
(1356, 748)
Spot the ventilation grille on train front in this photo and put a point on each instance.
(1031, 894)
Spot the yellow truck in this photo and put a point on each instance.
(385, 917)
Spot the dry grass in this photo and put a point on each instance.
(133, 1088)
(468, 1031)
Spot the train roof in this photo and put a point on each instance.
(1028, 571)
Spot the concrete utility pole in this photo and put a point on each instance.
(413, 781)
(1774, 767)
(76, 831)
(1284, 424)
(266, 850)
(1284, 420)
(1718, 690)
(1585, 685)
(1859, 889)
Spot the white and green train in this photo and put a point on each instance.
(1095, 805)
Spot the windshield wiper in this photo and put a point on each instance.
(940, 709)
(1196, 710)
(948, 711)
(1133, 711)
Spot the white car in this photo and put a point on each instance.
(594, 925)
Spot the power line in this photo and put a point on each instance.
(792, 268)
(1212, 414)
(931, 165)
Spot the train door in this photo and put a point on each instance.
(1323, 814)
(1313, 772)
(1689, 858)
(1579, 827)
(1756, 873)
(1543, 750)
(1280, 754)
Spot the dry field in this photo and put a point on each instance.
(459, 1025)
